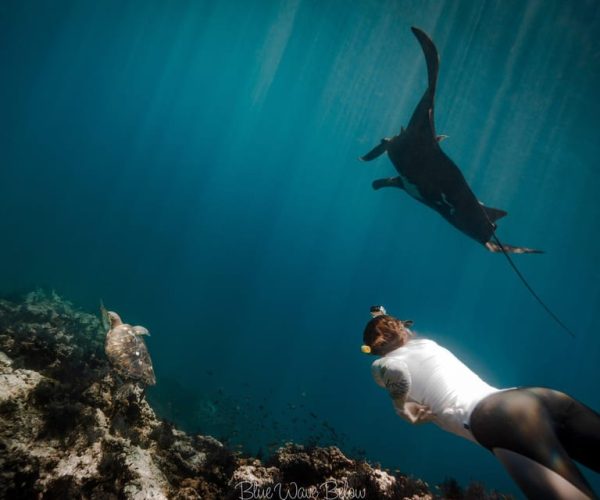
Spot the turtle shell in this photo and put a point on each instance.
(127, 352)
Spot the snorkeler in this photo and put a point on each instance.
(535, 432)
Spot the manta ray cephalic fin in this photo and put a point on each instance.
(376, 151)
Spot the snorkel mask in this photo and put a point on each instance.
(377, 311)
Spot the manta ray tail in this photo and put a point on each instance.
(506, 250)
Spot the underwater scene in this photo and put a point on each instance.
(195, 166)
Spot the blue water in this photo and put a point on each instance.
(194, 164)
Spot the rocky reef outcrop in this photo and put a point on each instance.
(70, 428)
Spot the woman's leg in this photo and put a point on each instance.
(537, 481)
(520, 428)
(577, 426)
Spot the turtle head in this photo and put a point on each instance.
(114, 318)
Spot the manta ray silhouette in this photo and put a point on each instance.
(427, 174)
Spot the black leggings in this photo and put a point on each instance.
(544, 425)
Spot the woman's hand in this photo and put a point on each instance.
(415, 413)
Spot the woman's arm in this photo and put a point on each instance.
(415, 413)
(393, 374)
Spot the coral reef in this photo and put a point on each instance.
(71, 428)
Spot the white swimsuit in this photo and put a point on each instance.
(432, 376)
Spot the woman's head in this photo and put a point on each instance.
(384, 333)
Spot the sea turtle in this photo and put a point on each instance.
(126, 349)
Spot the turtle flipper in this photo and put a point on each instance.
(104, 317)
(140, 330)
